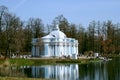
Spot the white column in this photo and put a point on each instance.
(69, 49)
(64, 49)
(33, 51)
(52, 50)
(46, 49)
(60, 53)
(73, 48)
(77, 49)
(37, 50)
(56, 50)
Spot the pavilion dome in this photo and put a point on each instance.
(56, 33)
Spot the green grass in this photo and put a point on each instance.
(25, 62)
(20, 62)
(68, 61)
(19, 78)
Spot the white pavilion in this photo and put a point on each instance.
(55, 44)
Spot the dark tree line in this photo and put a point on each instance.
(16, 35)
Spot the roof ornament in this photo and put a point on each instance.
(57, 27)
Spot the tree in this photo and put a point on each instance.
(82, 39)
(73, 31)
(91, 32)
(28, 38)
(3, 11)
(13, 34)
(36, 26)
(117, 38)
(19, 37)
(34, 29)
(63, 24)
(7, 33)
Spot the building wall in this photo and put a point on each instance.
(55, 47)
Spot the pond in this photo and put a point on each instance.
(109, 70)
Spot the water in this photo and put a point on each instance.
(93, 71)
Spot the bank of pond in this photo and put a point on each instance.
(20, 78)
(23, 62)
(60, 69)
(40, 61)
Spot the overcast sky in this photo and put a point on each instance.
(76, 11)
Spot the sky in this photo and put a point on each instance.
(75, 11)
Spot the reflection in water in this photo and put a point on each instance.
(59, 72)
(93, 71)
(11, 72)
(100, 71)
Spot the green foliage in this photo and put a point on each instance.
(16, 35)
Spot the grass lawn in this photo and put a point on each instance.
(25, 62)
(19, 78)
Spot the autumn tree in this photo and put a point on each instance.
(28, 38)
(3, 11)
(37, 27)
(82, 39)
(73, 31)
(91, 33)
(63, 24)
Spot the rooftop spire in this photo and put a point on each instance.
(56, 27)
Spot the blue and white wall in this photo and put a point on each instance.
(55, 44)
(56, 47)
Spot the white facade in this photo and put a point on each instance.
(55, 44)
